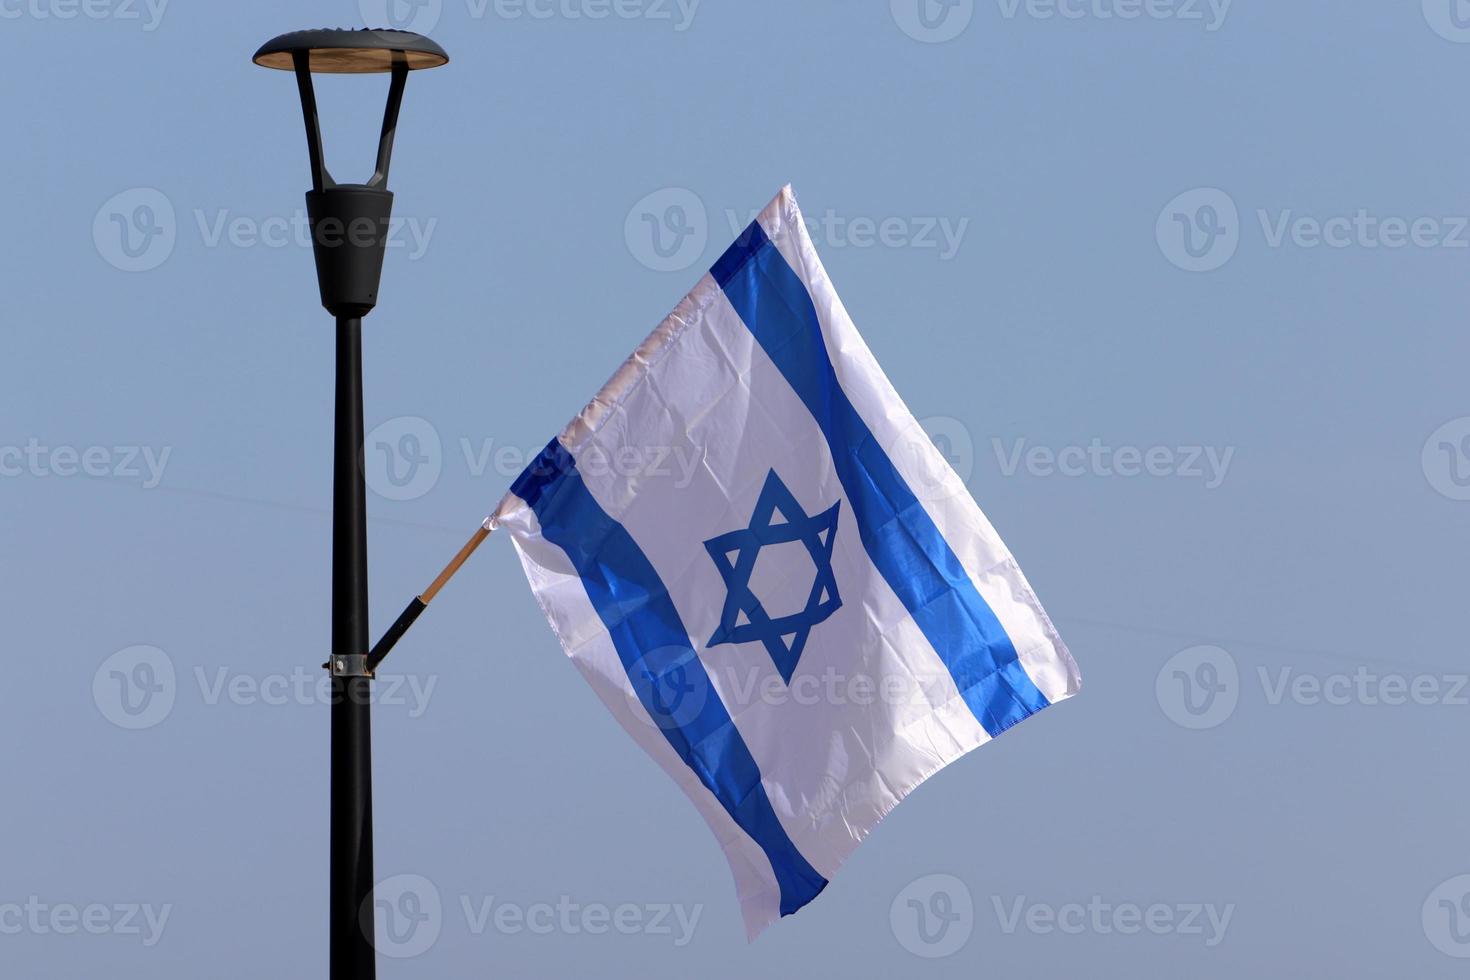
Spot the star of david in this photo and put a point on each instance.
(744, 619)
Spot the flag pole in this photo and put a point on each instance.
(421, 601)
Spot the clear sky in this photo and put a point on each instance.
(1181, 285)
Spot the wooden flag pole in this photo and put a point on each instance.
(454, 563)
(421, 601)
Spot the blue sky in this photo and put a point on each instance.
(1180, 285)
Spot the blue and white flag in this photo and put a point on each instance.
(770, 575)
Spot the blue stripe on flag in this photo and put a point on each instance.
(897, 532)
(654, 647)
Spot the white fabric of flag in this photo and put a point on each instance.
(772, 577)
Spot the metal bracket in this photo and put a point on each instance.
(349, 665)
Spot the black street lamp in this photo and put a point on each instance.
(349, 225)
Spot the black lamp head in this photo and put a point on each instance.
(349, 222)
(343, 51)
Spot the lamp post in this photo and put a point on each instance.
(349, 225)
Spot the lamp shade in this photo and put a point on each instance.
(342, 51)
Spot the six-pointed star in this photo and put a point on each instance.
(744, 619)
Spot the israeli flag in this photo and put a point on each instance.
(771, 576)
